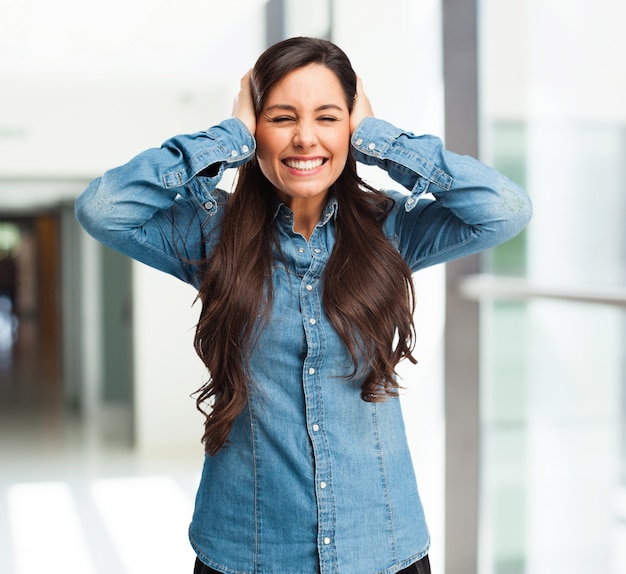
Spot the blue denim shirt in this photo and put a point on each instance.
(313, 479)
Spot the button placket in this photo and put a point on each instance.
(312, 315)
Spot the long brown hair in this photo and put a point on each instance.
(367, 290)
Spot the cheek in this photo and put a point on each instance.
(264, 157)
(261, 148)
(341, 152)
(341, 144)
(266, 143)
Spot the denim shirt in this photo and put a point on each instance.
(313, 479)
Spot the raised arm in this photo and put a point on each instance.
(457, 205)
(158, 206)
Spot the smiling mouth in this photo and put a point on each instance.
(304, 165)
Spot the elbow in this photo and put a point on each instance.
(511, 216)
(524, 213)
(89, 211)
(81, 209)
(517, 206)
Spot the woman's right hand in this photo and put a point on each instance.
(243, 106)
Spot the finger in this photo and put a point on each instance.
(362, 98)
(243, 106)
(362, 107)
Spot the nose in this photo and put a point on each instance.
(305, 135)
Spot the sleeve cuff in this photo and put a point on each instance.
(373, 137)
(228, 144)
(377, 142)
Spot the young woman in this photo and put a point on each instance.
(304, 275)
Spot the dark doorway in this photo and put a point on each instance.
(30, 310)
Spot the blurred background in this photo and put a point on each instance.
(517, 410)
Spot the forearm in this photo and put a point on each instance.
(475, 207)
(126, 197)
(154, 207)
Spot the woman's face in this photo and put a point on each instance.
(303, 134)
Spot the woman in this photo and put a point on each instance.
(304, 274)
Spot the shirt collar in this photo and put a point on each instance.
(330, 210)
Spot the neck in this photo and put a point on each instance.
(306, 213)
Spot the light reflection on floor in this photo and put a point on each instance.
(44, 516)
(75, 499)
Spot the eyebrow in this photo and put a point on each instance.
(293, 108)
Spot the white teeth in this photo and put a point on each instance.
(307, 165)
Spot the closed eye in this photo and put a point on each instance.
(281, 119)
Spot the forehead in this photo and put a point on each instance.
(312, 85)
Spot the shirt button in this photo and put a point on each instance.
(234, 153)
(410, 201)
(315, 427)
(322, 485)
(317, 250)
(309, 287)
(208, 205)
(371, 146)
(359, 141)
(300, 249)
(327, 540)
(311, 371)
(312, 321)
(245, 149)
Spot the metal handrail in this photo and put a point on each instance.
(486, 286)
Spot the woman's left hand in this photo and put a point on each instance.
(362, 107)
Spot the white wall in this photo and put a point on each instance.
(84, 86)
(166, 368)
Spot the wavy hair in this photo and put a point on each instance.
(367, 289)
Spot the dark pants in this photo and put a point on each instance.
(420, 567)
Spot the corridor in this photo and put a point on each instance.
(74, 497)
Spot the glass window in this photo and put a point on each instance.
(553, 381)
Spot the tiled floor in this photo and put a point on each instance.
(75, 498)
(80, 504)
